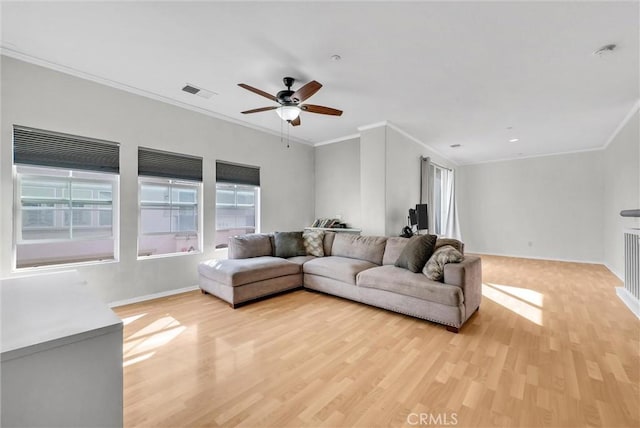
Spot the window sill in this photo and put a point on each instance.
(162, 256)
(38, 268)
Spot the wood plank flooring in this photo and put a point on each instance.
(552, 346)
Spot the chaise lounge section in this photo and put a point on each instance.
(358, 268)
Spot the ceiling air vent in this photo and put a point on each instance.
(192, 89)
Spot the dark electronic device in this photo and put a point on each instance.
(423, 219)
(407, 232)
(413, 218)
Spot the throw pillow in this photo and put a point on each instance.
(434, 269)
(249, 245)
(314, 242)
(289, 244)
(458, 245)
(416, 253)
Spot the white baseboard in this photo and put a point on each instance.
(631, 302)
(536, 258)
(616, 273)
(152, 296)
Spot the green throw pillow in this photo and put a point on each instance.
(416, 253)
(434, 269)
(289, 244)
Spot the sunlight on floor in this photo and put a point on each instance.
(522, 301)
(132, 318)
(143, 344)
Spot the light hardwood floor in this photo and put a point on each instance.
(552, 345)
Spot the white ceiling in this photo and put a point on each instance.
(444, 72)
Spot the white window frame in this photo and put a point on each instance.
(20, 172)
(199, 223)
(256, 205)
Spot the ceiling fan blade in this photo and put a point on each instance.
(295, 122)
(321, 110)
(306, 91)
(258, 110)
(257, 91)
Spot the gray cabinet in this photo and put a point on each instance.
(61, 360)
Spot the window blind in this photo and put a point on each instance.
(237, 174)
(156, 163)
(54, 149)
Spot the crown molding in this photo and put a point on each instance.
(337, 140)
(13, 53)
(546, 155)
(622, 124)
(417, 141)
(372, 126)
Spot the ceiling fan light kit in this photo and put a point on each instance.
(290, 101)
(288, 112)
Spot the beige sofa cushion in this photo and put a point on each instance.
(401, 281)
(250, 245)
(235, 272)
(392, 251)
(338, 268)
(369, 248)
(328, 242)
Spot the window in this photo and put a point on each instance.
(170, 208)
(64, 215)
(237, 201)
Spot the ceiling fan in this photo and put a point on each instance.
(290, 101)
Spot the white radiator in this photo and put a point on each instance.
(632, 262)
(630, 294)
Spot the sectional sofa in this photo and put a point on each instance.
(358, 268)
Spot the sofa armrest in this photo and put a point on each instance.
(468, 276)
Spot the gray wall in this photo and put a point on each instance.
(41, 98)
(338, 181)
(621, 191)
(546, 207)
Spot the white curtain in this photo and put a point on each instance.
(449, 209)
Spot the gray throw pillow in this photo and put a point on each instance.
(289, 244)
(416, 253)
(434, 269)
(249, 245)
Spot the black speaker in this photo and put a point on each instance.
(413, 218)
(423, 219)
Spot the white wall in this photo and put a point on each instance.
(41, 98)
(337, 185)
(375, 177)
(373, 180)
(621, 191)
(403, 178)
(546, 207)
